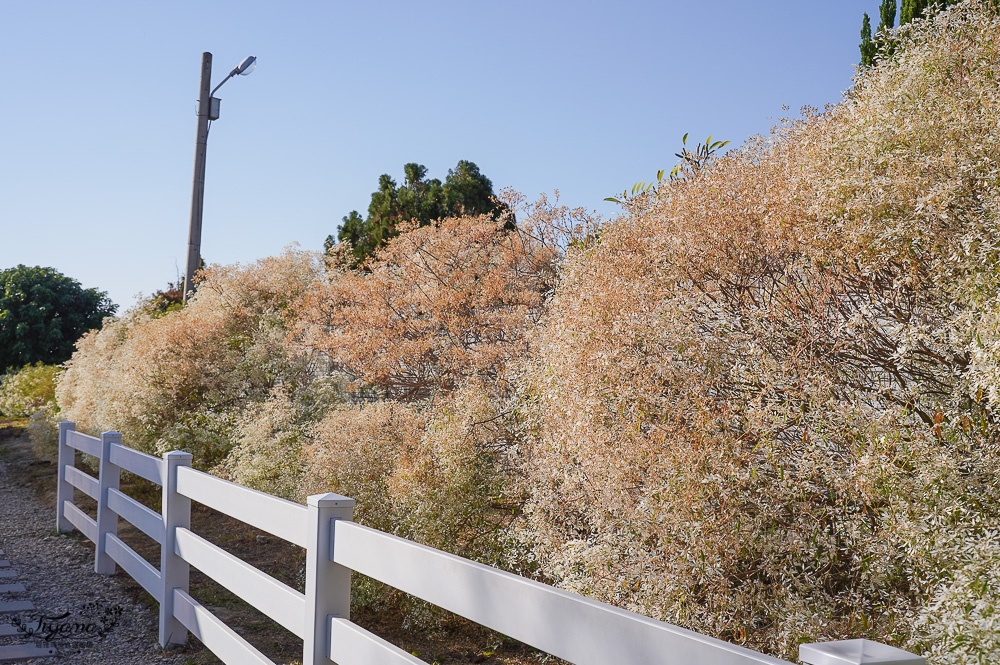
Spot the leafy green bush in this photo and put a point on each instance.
(43, 313)
(28, 389)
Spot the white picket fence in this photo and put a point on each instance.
(566, 625)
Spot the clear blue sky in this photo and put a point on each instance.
(98, 110)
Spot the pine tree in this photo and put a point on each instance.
(465, 192)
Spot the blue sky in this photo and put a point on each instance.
(97, 118)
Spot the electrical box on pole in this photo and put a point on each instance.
(213, 108)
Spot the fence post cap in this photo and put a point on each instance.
(177, 454)
(67, 423)
(330, 500)
(856, 652)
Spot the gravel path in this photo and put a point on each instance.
(58, 574)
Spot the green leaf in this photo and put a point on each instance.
(684, 140)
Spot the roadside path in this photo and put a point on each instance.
(90, 619)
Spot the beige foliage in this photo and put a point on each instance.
(442, 302)
(761, 404)
(179, 381)
(758, 400)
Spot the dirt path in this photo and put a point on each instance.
(87, 617)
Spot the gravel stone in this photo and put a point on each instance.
(58, 574)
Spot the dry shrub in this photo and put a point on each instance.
(441, 303)
(434, 324)
(440, 475)
(183, 380)
(762, 403)
(43, 430)
(266, 448)
(355, 454)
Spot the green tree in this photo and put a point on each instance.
(465, 192)
(867, 46)
(871, 49)
(43, 313)
(170, 299)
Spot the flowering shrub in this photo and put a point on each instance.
(961, 622)
(435, 325)
(43, 430)
(761, 402)
(441, 303)
(182, 380)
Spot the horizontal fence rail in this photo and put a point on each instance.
(138, 568)
(572, 627)
(145, 519)
(81, 520)
(278, 517)
(141, 464)
(85, 444)
(213, 633)
(275, 599)
(350, 644)
(560, 623)
(83, 482)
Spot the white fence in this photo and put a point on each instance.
(572, 627)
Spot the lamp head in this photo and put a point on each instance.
(248, 65)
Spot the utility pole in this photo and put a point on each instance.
(198, 190)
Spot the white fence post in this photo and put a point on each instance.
(174, 571)
(328, 585)
(107, 520)
(64, 491)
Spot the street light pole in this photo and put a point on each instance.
(198, 190)
(208, 109)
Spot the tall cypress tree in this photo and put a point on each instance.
(871, 50)
(911, 9)
(867, 46)
(887, 15)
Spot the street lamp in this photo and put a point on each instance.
(208, 109)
